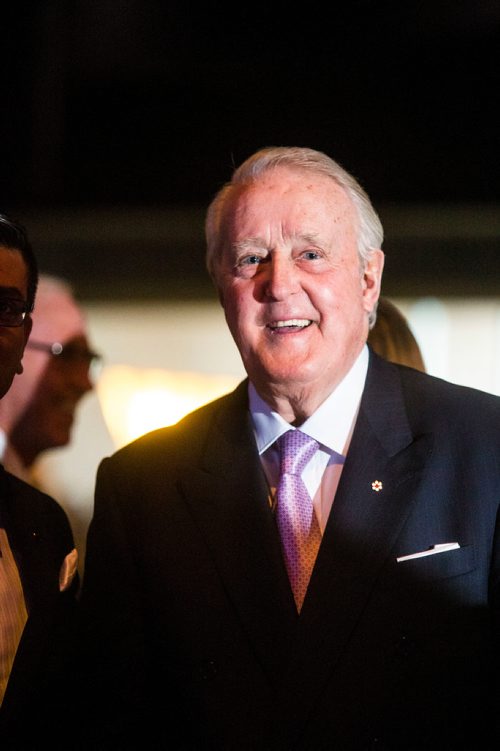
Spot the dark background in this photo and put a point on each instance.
(120, 120)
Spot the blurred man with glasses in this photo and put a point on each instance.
(38, 561)
(58, 369)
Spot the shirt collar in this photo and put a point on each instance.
(330, 425)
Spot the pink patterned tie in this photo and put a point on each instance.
(299, 529)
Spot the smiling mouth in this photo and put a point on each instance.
(292, 323)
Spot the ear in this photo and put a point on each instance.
(27, 326)
(372, 279)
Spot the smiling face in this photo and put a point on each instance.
(49, 415)
(295, 297)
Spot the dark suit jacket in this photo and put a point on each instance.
(189, 619)
(32, 713)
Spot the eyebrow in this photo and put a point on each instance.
(250, 243)
(11, 292)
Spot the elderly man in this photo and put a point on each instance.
(309, 562)
(37, 556)
(38, 412)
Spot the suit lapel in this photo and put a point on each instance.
(228, 498)
(25, 539)
(19, 518)
(362, 529)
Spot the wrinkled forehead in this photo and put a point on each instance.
(57, 318)
(295, 197)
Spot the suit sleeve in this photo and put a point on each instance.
(112, 643)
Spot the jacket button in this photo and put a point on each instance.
(405, 646)
(207, 670)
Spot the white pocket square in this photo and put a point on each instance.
(440, 548)
(68, 570)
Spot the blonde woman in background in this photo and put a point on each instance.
(392, 338)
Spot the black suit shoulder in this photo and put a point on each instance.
(37, 501)
(183, 441)
(28, 511)
(431, 399)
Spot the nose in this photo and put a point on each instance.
(282, 277)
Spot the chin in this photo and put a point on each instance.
(300, 372)
(60, 443)
(60, 438)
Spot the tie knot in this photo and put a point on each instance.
(296, 450)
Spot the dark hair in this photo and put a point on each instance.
(14, 237)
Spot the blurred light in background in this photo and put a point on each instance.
(136, 400)
(430, 323)
(459, 339)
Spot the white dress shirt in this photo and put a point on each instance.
(331, 425)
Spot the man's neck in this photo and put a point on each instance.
(296, 402)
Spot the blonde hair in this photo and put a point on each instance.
(392, 338)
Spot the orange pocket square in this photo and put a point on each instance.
(68, 570)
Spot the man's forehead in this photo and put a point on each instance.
(291, 187)
(57, 317)
(298, 207)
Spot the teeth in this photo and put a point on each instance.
(299, 322)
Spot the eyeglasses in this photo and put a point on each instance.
(13, 312)
(69, 354)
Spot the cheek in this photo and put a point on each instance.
(237, 304)
(235, 317)
(340, 300)
(16, 356)
(335, 297)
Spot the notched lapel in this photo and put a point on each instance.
(375, 494)
(228, 498)
(25, 530)
(362, 529)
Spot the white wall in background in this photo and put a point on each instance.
(459, 339)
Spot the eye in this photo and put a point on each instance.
(10, 306)
(248, 265)
(249, 261)
(310, 255)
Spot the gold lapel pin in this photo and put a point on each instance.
(377, 485)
